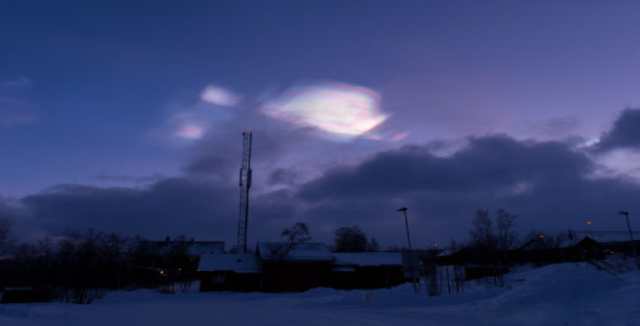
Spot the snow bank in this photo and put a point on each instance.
(565, 294)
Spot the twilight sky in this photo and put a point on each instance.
(127, 116)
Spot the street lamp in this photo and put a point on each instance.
(406, 224)
(633, 247)
(411, 269)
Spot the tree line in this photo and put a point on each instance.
(346, 238)
(81, 266)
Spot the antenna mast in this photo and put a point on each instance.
(245, 184)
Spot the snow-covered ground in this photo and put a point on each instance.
(565, 294)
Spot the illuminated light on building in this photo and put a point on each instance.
(219, 96)
(190, 131)
(338, 109)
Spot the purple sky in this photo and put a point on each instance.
(128, 117)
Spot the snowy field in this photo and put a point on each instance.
(566, 294)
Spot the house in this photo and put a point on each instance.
(480, 263)
(367, 270)
(585, 249)
(289, 267)
(294, 266)
(230, 272)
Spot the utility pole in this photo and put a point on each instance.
(245, 184)
(411, 267)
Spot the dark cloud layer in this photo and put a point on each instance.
(168, 207)
(625, 133)
(550, 185)
(487, 164)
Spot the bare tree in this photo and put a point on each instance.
(299, 232)
(373, 245)
(538, 239)
(506, 232)
(481, 231)
(350, 239)
(5, 234)
(492, 242)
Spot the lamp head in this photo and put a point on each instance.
(402, 209)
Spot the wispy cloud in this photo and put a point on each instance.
(192, 118)
(20, 83)
(16, 108)
(219, 96)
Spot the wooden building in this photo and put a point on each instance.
(230, 272)
(367, 270)
(294, 266)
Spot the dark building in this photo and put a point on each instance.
(479, 263)
(289, 267)
(367, 270)
(294, 266)
(230, 272)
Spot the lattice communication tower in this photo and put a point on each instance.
(245, 184)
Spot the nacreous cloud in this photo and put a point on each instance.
(338, 109)
(219, 96)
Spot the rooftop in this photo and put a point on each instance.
(307, 251)
(239, 263)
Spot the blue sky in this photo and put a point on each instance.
(95, 94)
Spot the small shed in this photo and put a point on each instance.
(229, 272)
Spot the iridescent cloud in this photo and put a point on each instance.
(339, 109)
(590, 143)
(190, 131)
(219, 96)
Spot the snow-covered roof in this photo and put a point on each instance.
(368, 258)
(613, 237)
(307, 251)
(239, 263)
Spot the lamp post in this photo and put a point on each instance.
(411, 269)
(633, 247)
(406, 224)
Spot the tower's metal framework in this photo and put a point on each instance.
(245, 184)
